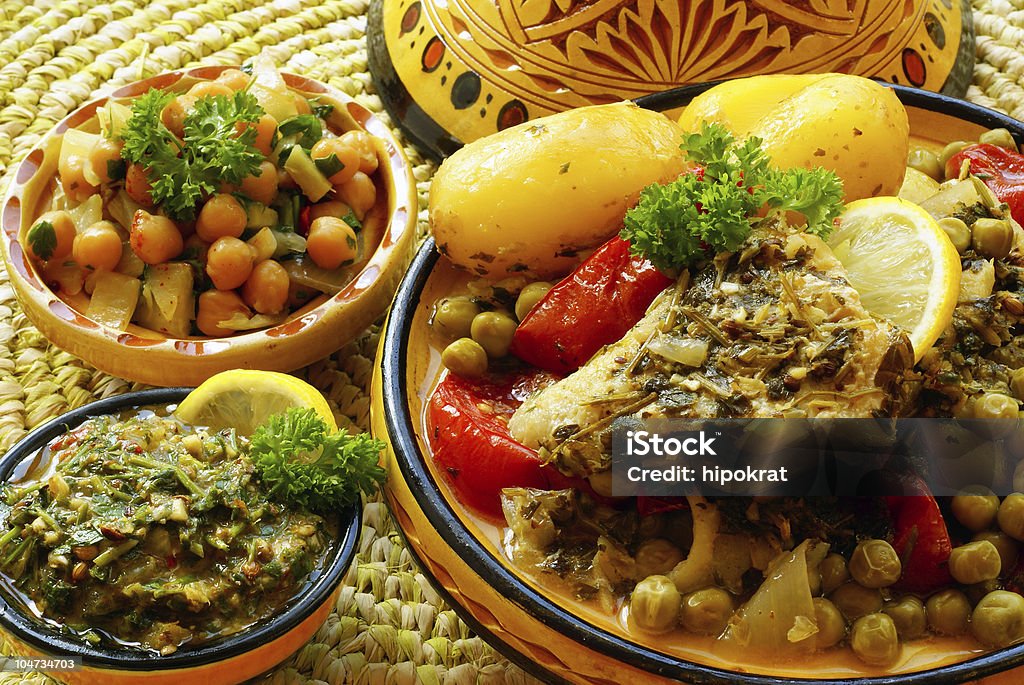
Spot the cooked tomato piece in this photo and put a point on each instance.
(921, 540)
(1002, 171)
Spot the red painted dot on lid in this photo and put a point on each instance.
(433, 54)
(914, 68)
(410, 18)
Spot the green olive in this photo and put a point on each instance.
(992, 237)
(998, 620)
(1005, 545)
(654, 604)
(707, 611)
(874, 564)
(529, 297)
(959, 233)
(831, 624)
(855, 600)
(833, 572)
(874, 639)
(948, 152)
(999, 136)
(1017, 383)
(976, 508)
(1011, 516)
(452, 317)
(656, 556)
(948, 612)
(974, 562)
(908, 615)
(493, 330)
(995, 405)
(925, 161)
(465, 358)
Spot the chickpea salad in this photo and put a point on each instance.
(141, 531)
(221, 209)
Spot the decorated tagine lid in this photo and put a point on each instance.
(452, 71)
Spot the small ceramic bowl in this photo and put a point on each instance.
(546, 634)
(222, 661)
(310, 333)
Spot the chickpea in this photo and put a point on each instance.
(359, 193)
(925, 161)
(216, 306)
(948, 612)
(177, 110)
(331, 242)
(346, 154)
(831, 625)
(874, 639)
(464, 357)
(98, 247)
(494, 331)
(333, 208)
(62, 227)
(265, 127)
(229, 263)
(222, 215)
(833, 572)
(976, 508)
(266, 289)
(206, 89)
(235, 79)
(262, 186)
(72, 177)
(875, 564)
(1011, 516)
(363, 143)
(155, 238)
(529, 297)
(104, 155)
(137, 185)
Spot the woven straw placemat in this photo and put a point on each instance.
(389, 626)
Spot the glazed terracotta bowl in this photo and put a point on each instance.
(310, 333)
(545, 633)
(221, 661)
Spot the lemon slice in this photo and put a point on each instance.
(243, 399)
(902, 264)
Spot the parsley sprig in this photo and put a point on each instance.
(711, 208)
(213, 151)
(303, 463)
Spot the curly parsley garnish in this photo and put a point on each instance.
(710, 209)
(213, 152)
(303, 463)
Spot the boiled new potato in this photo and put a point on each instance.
(848, 124)
(530, 198)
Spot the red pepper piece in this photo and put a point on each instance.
(593, 306)
(921, 541)
(1002, 171)
(467, 427)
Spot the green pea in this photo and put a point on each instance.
(999, 136)
(707, 611)
(875, 564)
(465, 357)
(959, 233)
(925, 161)
(1004, 544)
(855, 600)
(992, 237)
(948, 612)
(948, 152)
(998, 620)
(657, 556)
(978, 590)
(976, 508)
(909, 616)
(874, 639)
(452, 317)
(529, 297)
(833, 572)
(494, 331)
(995, 405)
(974, 562)
(654, 604)
(831, 624)
(1011, 516)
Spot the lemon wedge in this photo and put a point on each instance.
(243, 399)
(902, 264)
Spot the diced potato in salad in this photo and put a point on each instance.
(219, 209)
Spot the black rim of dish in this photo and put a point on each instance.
(442, 517)
(37, 634)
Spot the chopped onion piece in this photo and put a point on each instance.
(687, 351)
